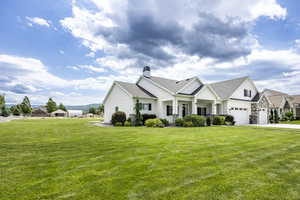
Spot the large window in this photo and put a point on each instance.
(169, 110)
(247, 93)
(146, 106)
(201, 111)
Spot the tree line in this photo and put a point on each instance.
(25, 107)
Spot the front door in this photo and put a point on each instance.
(184, 108)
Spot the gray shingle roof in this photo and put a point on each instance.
(135, 90)
(172, 85)
(276, 100)
(295, 98)
(269, 92)
(225, 89)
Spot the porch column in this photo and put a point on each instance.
(175, 107)
(194, 107)
(214, 108)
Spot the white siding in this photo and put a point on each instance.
(191, 87)
(119, 98)
(239, 93)
(206, 94)
(153, 106)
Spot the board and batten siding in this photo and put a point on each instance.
(239, 92)
(117, 98)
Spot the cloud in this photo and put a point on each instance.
(61, 52)
(38, 21)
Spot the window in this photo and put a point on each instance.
(116, 108)
(245, 93)
(201, 111)
(249, 93)
(169, 110)
(146, 106)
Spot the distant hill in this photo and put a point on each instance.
(79, 107)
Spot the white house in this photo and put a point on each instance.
(171, 99)
(75, 113)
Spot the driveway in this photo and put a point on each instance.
(293, 126)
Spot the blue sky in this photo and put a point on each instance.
(73, 50)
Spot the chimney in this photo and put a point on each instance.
(147, 72)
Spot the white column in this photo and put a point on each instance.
(194, 106)
(175, 107)
(214, 108)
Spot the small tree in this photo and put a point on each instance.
(101, 109)
(2, 104)
(51, 106)
(62, 107)
(16, 110)
(92, 110)
(26, 106)
(138, 116)
(271, 117)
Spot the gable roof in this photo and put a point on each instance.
(135, 90)
(225, 89)
(172, 85)
(295, 98)
(276, 100)
(269, 92)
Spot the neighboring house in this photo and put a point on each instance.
(40, 112)
(296, 105)
(75, 113)
(279, 101)
(59, 113)
(171, 99)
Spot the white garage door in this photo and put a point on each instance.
(263, 116)
(241, 117)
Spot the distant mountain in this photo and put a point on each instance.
(79, 107)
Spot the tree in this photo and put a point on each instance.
(271, 116)
(26, 106)
(101, 109)
(16, 110)
(138, 116)
(62, 107)
(51, 106)
(2, 103)
(92, 110)
(276, 116)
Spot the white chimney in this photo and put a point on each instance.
(147, 72)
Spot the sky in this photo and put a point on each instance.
(72, 50)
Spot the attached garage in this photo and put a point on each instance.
(241, 115)
(263, 116)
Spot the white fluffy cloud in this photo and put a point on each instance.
(38, 21)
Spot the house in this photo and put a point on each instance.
(40, 112)
(75, 113)
(283, 102)
(171, 99)
(59, 113)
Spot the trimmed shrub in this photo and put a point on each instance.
(118, 117)
(218, 120)
(145, 117)
(195, 119)
(208, 121)
(179, 122)
(229, 118)
(118, 124)
(165, 122)
(154, 123)
(127, 123)
(188, 124)
(289, 115)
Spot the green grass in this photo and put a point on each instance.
(290, 122)
(70, 159)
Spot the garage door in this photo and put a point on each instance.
(263, 116)
(241, 117)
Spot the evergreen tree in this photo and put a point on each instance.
(2, 103)
(92, 110)
(276, 116)
(272, 116)
(51, 106)
(62, 107)
(138, 116)
(16, 110)
(26, 106)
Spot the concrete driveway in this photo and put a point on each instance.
(293, 126)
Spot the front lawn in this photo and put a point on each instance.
(290, 122)
(70, 159)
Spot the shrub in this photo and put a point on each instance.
(127, 123)
(118, 124)
(289, 115)
(165, 122)
(208, 121)
(229, 118)
(188, 124)
(145, 117)
(179, 122)
(218, 120)
(154, 123)
(195, 119)
(118, 117)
